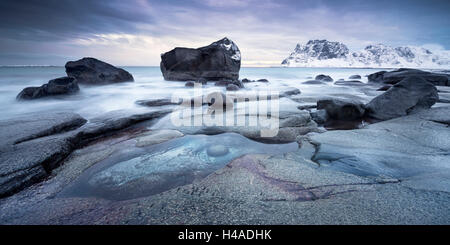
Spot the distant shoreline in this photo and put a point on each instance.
(284, 67)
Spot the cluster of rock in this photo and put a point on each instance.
(412, 93)
(394, 77)
(87, 71)
(323, 79)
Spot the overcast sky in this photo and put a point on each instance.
(136, 32)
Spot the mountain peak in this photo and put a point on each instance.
(324, 53)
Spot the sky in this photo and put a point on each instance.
(136, 32)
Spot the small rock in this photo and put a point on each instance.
(349, 83)
(263, 81)
(324, 78)
(156, 102)
(355, 77)
(313, 82)
(246, 80)
(202, 81)
(232, 87)
(289, 91)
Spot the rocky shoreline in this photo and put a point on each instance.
(389, 165)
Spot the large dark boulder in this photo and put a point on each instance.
(341, 109)
(59, 86)
(410, 95)
(95, 72)
(398, 75)
(217, 61)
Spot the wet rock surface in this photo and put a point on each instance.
(92, 71)
(342, 109)
(324, 78)
(33, 145)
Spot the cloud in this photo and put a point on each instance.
(137, 32)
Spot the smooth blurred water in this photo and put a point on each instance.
(149, 84)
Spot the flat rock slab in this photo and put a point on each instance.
(35, 144)
(404, 148)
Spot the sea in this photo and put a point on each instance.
(149, 83)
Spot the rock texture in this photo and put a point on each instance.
(409, 95)
(325, 78)
(156, 102)
(35, 144)
(219, 60)
(95, 72)
(393, 77)
(59, 86)
(354, 77)
(342, 109)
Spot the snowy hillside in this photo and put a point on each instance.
(323, 53)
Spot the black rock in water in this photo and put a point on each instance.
(342, 109)
(156, 102)
(224, 83)
(325, 78)
(95, 72)
(246, 80)
(219, 60)
(313, 82)
(408, 96)
(202, 81)
(232, 87)
(393, 77)
(355, 77)
(349, 83)
(59, 86)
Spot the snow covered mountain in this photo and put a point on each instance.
(323, 53)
